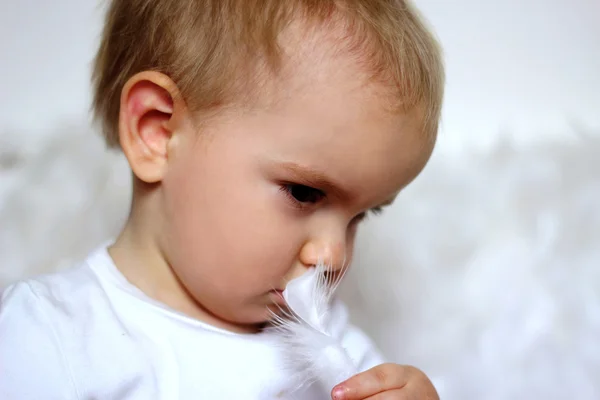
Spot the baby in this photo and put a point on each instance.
(259, 134)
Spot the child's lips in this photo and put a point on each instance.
(278, 294)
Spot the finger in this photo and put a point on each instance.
(373, 381)
(396, 394)
(418, 388)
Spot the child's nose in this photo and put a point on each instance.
(331, 253)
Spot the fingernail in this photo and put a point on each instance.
(339, 393)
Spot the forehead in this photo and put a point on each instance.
(340, 128)
(331, 116)
(348, 137)
(324, 113)
(311, 52)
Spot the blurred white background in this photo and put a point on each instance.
(486, 273)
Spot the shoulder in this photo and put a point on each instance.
(30, 350)
(46, 298)
(40, 320)
(63, 303)
(59, 297)
(77, 334)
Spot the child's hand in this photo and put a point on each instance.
(387, 381)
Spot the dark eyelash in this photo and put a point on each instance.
(376, 210)
(287, 188)
(366, 214)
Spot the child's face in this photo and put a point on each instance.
(263, 195)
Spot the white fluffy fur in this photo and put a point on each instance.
(486, 273)
(312, 351)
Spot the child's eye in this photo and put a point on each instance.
(303, 194)
(374, 211)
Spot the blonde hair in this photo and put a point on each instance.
(209, 47)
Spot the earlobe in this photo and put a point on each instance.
(148, 103)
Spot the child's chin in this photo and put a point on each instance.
(267, 314)
(259, 315)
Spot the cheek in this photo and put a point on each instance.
(227, 229)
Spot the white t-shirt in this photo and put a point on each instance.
(87, 333)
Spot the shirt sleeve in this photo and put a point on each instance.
(32, 364)
(359, 346)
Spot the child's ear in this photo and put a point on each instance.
(149, 102)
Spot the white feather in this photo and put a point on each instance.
(310, 347)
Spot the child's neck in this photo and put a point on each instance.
(138, 256)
